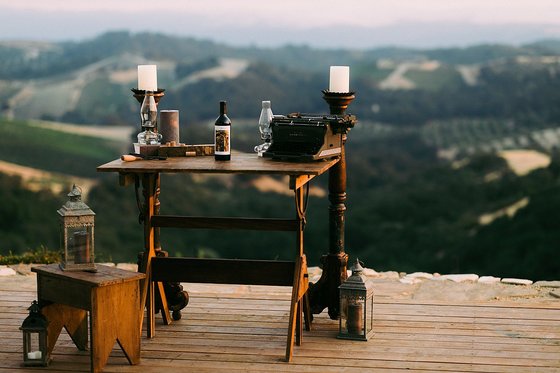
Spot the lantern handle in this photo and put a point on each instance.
(75, 192)
(358, 266)
(34, 307)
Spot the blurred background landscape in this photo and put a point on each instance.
(453, 167)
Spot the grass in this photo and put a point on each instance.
(54, 151)
(444, 76)
(42, 255)
(52, 99)
(100, 97)
(370, 73)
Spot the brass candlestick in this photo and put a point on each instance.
(338, 101)
(140, 93)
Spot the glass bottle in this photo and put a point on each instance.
(148, 116)
(222, 135)
(264, 128)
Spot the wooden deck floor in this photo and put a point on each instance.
(240, 328)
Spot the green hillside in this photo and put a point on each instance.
(90, 81)
(407, 209)
(50, 150)
(423, 161)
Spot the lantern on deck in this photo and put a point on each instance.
(34, 328)
(77, 234)
(356, 306)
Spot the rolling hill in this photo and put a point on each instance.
(88, 82)
(429, 183)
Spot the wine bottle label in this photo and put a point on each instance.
(222, 138)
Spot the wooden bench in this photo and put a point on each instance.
(110, 295)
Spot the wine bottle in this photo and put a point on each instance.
(222, 135)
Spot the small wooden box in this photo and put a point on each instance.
(183, 150)
(146, 150)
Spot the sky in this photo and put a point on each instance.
(320, 23)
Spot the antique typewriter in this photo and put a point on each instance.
(308, 137)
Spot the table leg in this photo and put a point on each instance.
(165, 295)
(299, 323)
(307, 316)
(146, 293)
(303, 303)
(156, 296)
(298, 290)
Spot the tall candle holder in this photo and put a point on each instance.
(324, 293)
(140, 93)
(177, 298)
(338, 101)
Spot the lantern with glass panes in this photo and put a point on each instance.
(77, 233)
(356, 306)
(34, 328)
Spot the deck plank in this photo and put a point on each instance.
(243, 328)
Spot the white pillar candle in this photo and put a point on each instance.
(339, 79)
(147, 77)
(34, 355)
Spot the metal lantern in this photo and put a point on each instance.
(76, 227)
(356, 306)
(34, 328)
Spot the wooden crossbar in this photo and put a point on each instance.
(199, 222)
(223, 271)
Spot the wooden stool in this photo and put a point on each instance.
(111, 295)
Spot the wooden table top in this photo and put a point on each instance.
(104, 276)
(240, 163)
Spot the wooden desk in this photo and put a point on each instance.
(111, 296)
(288, 273)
